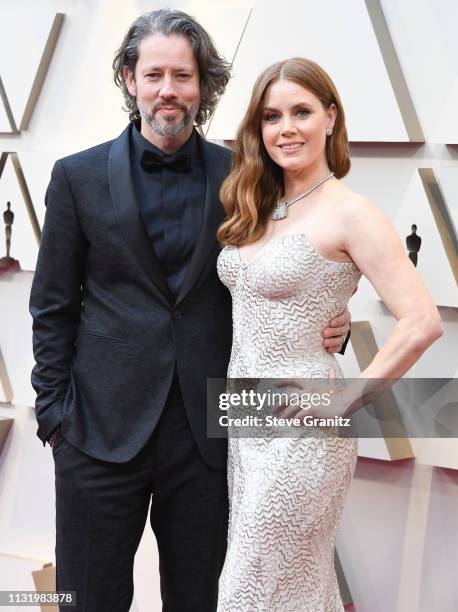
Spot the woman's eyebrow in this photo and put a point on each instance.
(298, 105)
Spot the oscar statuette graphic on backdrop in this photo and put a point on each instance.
(8, 263)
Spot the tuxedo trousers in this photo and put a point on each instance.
(102, 508)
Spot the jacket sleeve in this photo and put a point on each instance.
(56, 301)
(344, 345)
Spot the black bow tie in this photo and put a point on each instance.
(151, 162)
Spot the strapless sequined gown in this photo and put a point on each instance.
(286, 494)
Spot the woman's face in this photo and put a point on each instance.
(293, 125)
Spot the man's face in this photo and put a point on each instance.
(166, 85)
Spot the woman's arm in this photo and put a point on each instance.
(375, 247)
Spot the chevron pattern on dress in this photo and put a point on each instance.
(286, 494)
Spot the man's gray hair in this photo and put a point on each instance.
(214, 71)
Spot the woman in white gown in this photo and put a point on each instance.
(290, 269)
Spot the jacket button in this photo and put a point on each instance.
(176, 314)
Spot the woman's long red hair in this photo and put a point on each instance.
(255, 183)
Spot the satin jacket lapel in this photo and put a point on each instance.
(128, 213)
(214, 215)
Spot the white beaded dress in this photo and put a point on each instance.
(286, 495)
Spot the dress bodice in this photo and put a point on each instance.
(283, 299)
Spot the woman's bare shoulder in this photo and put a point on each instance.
(352, 206)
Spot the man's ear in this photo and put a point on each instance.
(129, 79)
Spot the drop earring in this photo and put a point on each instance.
(329, 131)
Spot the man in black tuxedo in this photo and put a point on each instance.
(129, 321)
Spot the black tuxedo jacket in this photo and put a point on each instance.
(106, 331)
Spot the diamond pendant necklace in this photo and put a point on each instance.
(281, 208)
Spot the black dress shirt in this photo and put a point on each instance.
(171, 204)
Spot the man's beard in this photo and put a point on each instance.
(170, 128)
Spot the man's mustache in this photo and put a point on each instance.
(170, 105)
